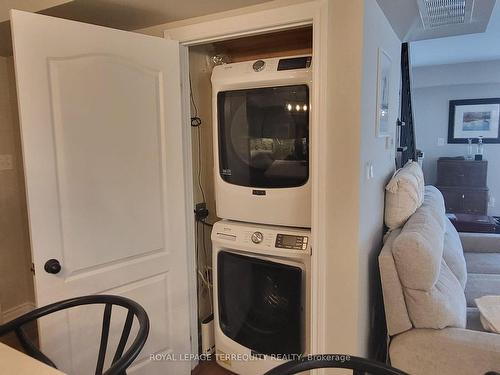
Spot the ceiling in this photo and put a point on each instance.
(120, 14)
(406, 21)
(28, 5)
(459, 49)
(476, 41)
(451, 44)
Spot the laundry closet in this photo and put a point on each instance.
(120, 147)
(251, 125)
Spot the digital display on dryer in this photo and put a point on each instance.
(286, 241)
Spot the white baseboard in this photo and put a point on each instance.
(16, 311)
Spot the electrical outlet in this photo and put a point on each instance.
(6, 162)
(200, 211)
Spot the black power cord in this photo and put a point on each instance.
(201, 211)
(196, 123)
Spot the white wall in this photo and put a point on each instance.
(356, 206)
(157, 30)
(200, 71)
(16, 282)
(341, 179)
(435, 86)
(456, 74)
(378, 33)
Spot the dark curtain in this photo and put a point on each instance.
(407, 147)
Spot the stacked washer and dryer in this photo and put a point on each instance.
(262, 247)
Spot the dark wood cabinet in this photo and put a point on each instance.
(464, 185)
(463, 173)
(463, 200)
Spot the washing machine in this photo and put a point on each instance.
(261, 295)
(261, 117)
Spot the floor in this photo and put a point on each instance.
(11, 340)
(210, 368)
(204, 368)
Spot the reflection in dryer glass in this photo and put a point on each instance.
(264, 136)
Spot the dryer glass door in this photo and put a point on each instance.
(259, 303)
(264, 136)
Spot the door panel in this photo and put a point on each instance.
(102, 144)
(98, 145)
(149, 293)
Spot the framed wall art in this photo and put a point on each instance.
(474, 118)
(383, 91)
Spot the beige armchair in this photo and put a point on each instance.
(429, 285)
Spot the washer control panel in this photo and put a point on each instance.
(258, 65)
(286, 241)
(257, 237)
(262, 239)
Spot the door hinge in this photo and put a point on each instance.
(32, 268)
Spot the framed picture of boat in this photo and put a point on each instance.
(474, 119)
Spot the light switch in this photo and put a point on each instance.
(6, 162)
(389, 143)
(441, 141)
(369, 170)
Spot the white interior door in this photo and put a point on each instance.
(100, 113)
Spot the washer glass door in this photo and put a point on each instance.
(259, 303)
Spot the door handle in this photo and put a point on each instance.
(52, 266)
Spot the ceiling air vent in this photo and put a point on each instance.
(438, 13)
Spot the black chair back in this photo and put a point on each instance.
(121, 361)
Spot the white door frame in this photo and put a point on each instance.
(313, 13)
